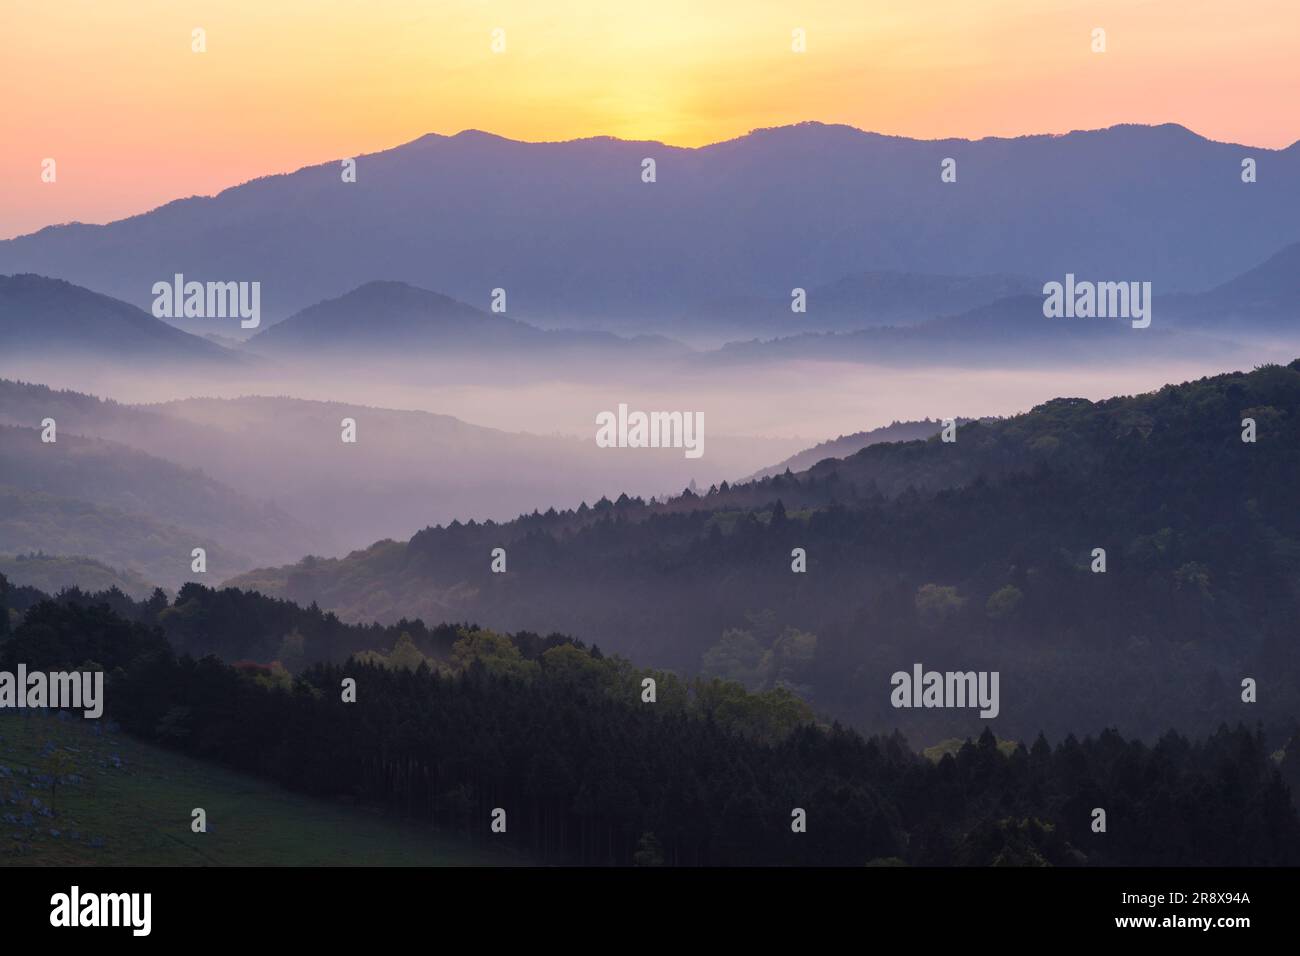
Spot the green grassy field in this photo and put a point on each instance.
(138, 813)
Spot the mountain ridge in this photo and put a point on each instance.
(572, 232)
(45, 315)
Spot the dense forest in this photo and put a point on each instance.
(978, 553)
(562, 738)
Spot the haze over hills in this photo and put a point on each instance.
(903, 270)
(114, 474)
(977, 552)
(413, 330)
(1011, 332)
(397, 319)
(574, 234)
(415, 463)
(82, 496)
(407, 468)
(794, 495)
(863, 300)
(140, 546)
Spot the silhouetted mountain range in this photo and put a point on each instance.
(572, 232)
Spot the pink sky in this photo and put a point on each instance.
(133, 117)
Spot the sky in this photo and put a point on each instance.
(114, 93)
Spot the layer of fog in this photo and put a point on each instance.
(528, 440)
(751, 412)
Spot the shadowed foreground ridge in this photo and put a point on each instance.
(559, 734)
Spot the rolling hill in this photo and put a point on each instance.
(49, 318)
(400, 321)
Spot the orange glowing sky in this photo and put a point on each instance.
(111, 90)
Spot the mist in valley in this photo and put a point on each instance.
(439, 440)
(752, 412)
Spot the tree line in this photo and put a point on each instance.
(562, 738)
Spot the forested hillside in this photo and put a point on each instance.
(972, 554)
(50, 574)
(564, 740)
(846, 445)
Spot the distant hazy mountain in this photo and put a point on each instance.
(571, 231)
(899, 297)
(398, 319)
(858, 301)
(1008, 332)
(49, 317)
(1263, 299)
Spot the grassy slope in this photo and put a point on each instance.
(141, 812)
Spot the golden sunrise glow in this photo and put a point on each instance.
(134, 118)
